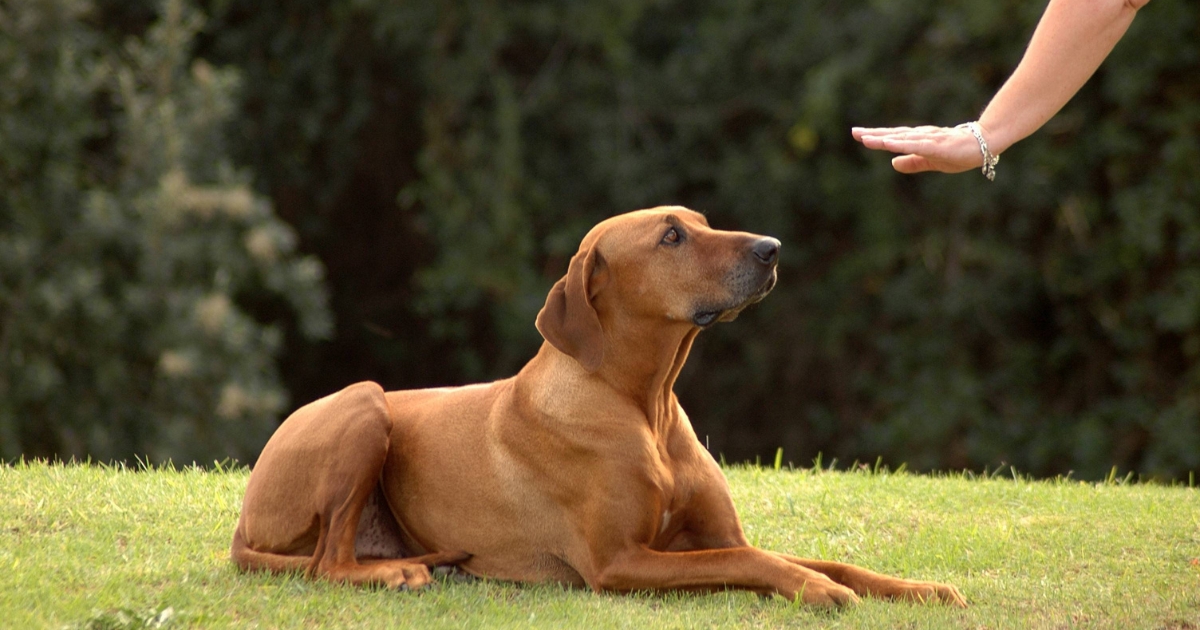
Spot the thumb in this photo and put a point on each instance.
(911, 164)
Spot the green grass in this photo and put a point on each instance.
(114, 547)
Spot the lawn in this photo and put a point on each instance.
(90, 546)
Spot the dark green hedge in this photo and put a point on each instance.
(132, 252)
(443, 159)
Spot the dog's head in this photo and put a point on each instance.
(659, 267)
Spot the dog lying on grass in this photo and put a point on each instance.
(582, 469)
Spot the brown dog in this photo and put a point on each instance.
(582, 468)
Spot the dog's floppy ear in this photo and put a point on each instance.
(568, 320)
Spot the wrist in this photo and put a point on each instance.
(996, 134)
(989, 160)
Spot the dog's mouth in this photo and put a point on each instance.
(705, 319)
(707, 316)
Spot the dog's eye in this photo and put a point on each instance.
(672, 237)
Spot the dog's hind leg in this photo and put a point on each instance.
(306, 495)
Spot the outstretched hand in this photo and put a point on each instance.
(927, 148)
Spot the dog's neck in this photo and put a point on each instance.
(643, 363)
(641, 367)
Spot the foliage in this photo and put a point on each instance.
(1051, 320)
(132, 252)
(443, 159)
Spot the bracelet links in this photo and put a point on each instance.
(989, 161)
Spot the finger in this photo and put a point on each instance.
(882, 142)
(917, 145)
(910, 133)
(909, 164)
(859, 132)
(925, 142)
(871, 142)
(879, 131)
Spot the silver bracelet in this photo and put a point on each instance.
(989, 161)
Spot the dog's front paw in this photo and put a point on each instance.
(826, 593)
(916, 590)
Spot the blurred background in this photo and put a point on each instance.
(213, 211)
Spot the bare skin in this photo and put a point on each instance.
(1071, 41)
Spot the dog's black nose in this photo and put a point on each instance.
(766, 250)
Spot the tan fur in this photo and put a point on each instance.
(581, 469)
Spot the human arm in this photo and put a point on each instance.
(1071, 40)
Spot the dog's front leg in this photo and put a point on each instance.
(869, 583)
(746, 568)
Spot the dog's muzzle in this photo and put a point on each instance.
(751, 281)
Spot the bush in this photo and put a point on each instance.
(1050, 320)
(132, 252)
(443, 159)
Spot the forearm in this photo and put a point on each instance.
(1071, 40)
